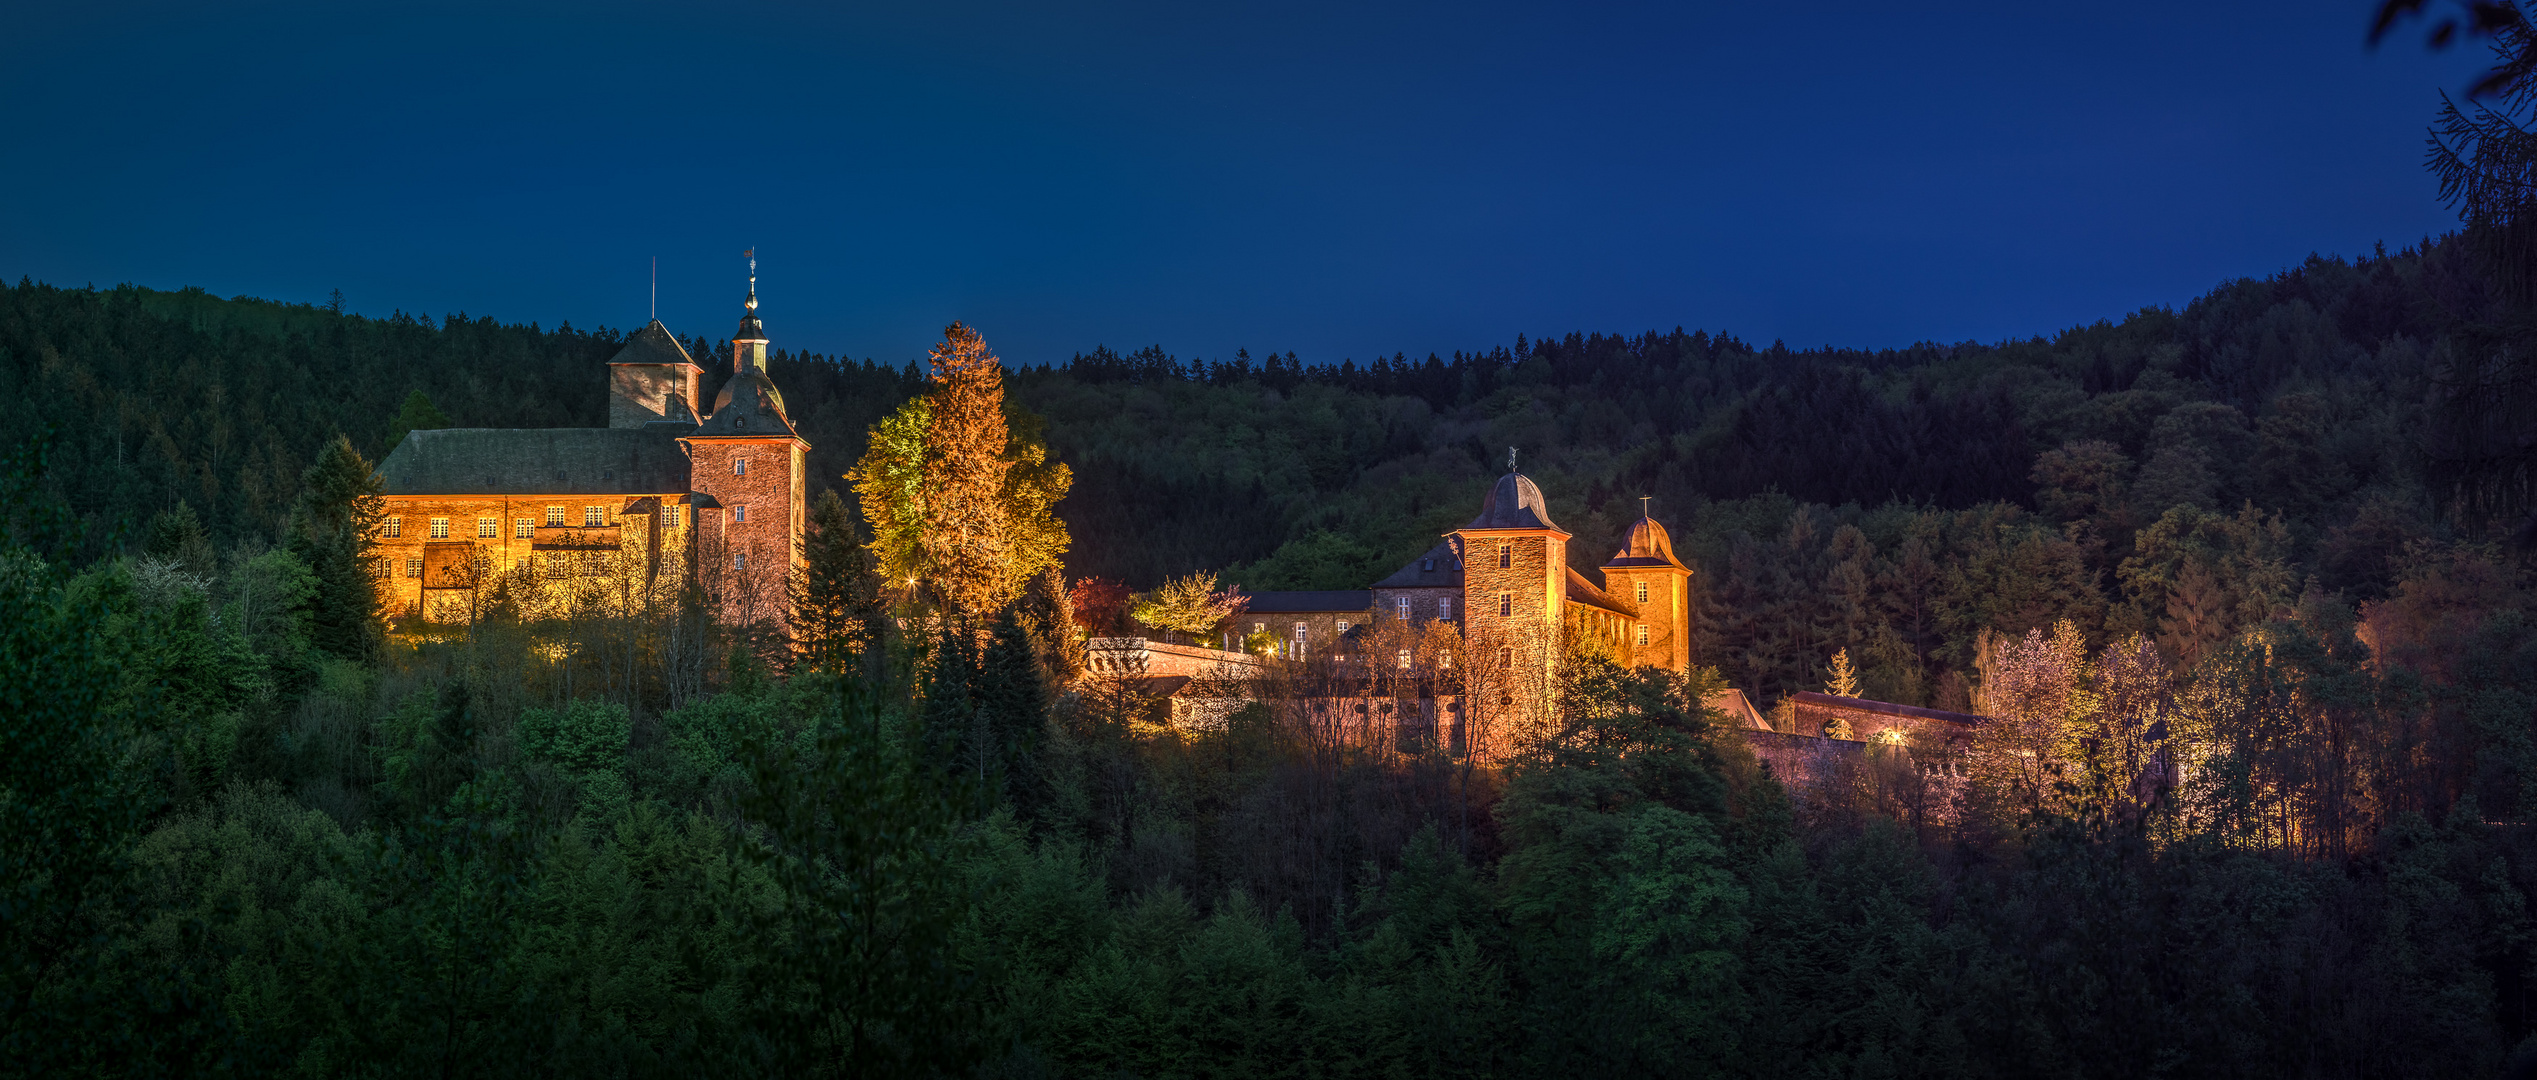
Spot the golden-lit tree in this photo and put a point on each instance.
(966, 542)
(1191, 605)
(958, 491)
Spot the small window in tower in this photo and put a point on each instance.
(1642, 596)
(488, 528)
(555, 516)
(1506, 604)
(440, 528)
(594, 515)
(1642, 633)
(739, 466)
(740, 514)
(740, 561)
(1506, 556)
(413, 566)
(1506, 658)
(524, 529)
(395, 527)
(1400, 608)
(1444, 607)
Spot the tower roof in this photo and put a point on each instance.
(1647, 545)
(750, 328)
(653, 344)
(1514, 503)
(749, 406)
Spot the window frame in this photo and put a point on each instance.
(393, 528)
(1506, 605)
(593, 517)
(439, 529)
(1506, 555)
(488, 528)
(1400, 608)
(524, 528)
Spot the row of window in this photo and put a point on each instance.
(526, 528)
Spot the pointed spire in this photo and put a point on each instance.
(751, 330)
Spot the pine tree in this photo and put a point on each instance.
(417, 414)
(1845, 678)
(966, 543)
(836, 598)
(178, 536)
(332, 529)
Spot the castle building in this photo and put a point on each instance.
(667, 488)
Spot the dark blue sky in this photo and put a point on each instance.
(1338, 179)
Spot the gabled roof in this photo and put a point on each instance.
(1439, 568)
(1581, 591)
(653, 344)
(1339, 601)
(538, 461)
(1514, 503)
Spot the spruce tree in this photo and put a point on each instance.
(1013, 704)
(966, 542)
(836, 598)
(332, 529)
(177, 535)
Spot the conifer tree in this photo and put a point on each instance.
(1013, 705)
(966, 541)
(177, 535)
(836, 599)
(333, 527)
(417, 414)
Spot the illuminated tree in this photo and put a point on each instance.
(1191, 605)
(1845, 679)
(960, 492)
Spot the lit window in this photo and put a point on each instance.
(1642, 597)
(1259, 628)
(739, 466)
(673, 517)
(1506, 604)
(1506, 556)
(740, 514)
(488, 528)
(1444, 607)
(555, 516)
(1405, 659)
(396, 527)
(440, 528)
(380, 568)
(524, 529)
(1400, 608)
(594, 515)
(1642, 633)
(1301, 629)
(413, 567)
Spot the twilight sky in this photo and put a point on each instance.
(1338, 179)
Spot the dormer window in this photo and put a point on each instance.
(739, 421)
(1426, 565)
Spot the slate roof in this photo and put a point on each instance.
(1334, 600)
(1514, 503)
(1437, 569)
(1647, 545)
(748, 407)
(1581, 591)
(1886, 708)
(653, 344)
(539, 461)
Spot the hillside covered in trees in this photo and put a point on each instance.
(2240, 586)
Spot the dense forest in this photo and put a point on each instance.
(242, 831)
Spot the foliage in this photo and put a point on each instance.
(1191, 605)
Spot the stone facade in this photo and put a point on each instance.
(666, 488)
